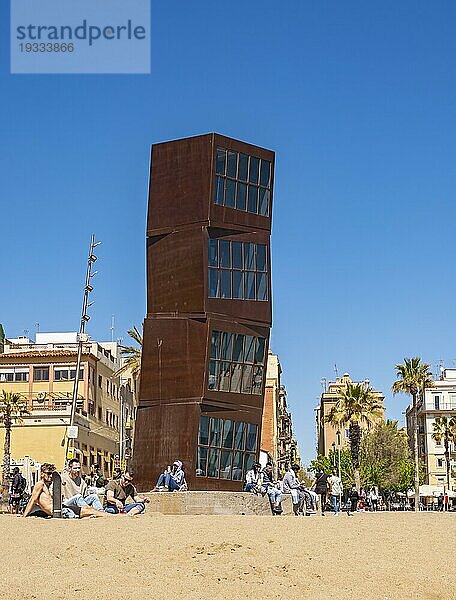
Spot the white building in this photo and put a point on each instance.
(439, 401)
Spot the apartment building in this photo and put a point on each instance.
(43, 372)
(277, 439)
(328, 436)
(438, 401)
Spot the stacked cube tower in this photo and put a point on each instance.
(206, 332)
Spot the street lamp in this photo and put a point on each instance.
(82, 336)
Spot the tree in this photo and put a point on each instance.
(358, 407)
(445, 429)
(12, 408)
(132, 354)
(386, 459)
(412, 378)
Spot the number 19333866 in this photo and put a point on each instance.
(46, 47)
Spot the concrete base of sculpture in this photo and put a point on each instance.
(212, 503)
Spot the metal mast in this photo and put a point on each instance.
(82, 339)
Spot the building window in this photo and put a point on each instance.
(100, 381)
(67, 373)
(40, 373)
(226, 449)
(436, 402)
(236, 363)
(440, 462)
(14, 374)
(237, 270)
(242, 182)
(6, 375)
(100, 413)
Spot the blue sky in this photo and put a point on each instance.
(358, 101)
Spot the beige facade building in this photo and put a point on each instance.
(327, 434)
(277, 439)
(43, 372)
(439, 401)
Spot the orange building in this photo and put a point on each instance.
(277, 440)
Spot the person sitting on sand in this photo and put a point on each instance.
(40, 503)
(117, 493)
(174, 481)
(75, 493)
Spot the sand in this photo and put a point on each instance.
(383, 556)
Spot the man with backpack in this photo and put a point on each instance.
(18, 485)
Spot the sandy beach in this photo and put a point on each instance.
(383, 556)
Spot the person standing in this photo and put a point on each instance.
(440, 502)
(321, 488)
(336, 489)
(373, 498)
(18, 485)
(354, 498)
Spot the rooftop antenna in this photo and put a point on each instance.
(335, 370)
(112, 328)
(26, 332)
(37, 325)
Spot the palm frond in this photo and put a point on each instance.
(132, 355)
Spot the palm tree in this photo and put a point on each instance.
(445, 429)
(12, 408)
(359, 408)
(132, 354)
(413, 377)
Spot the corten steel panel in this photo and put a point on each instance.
(175, 272)
(169, 432)
(175, 362)
(177, 267)
(164, 434)
(182, 180)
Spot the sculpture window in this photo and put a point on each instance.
(236, 363)
(242, 182)
(237, 270)
(226, 448)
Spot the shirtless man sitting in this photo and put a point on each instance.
(40, 503)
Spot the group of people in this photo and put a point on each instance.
(81, 495)
(261, 481)
(305, 500)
